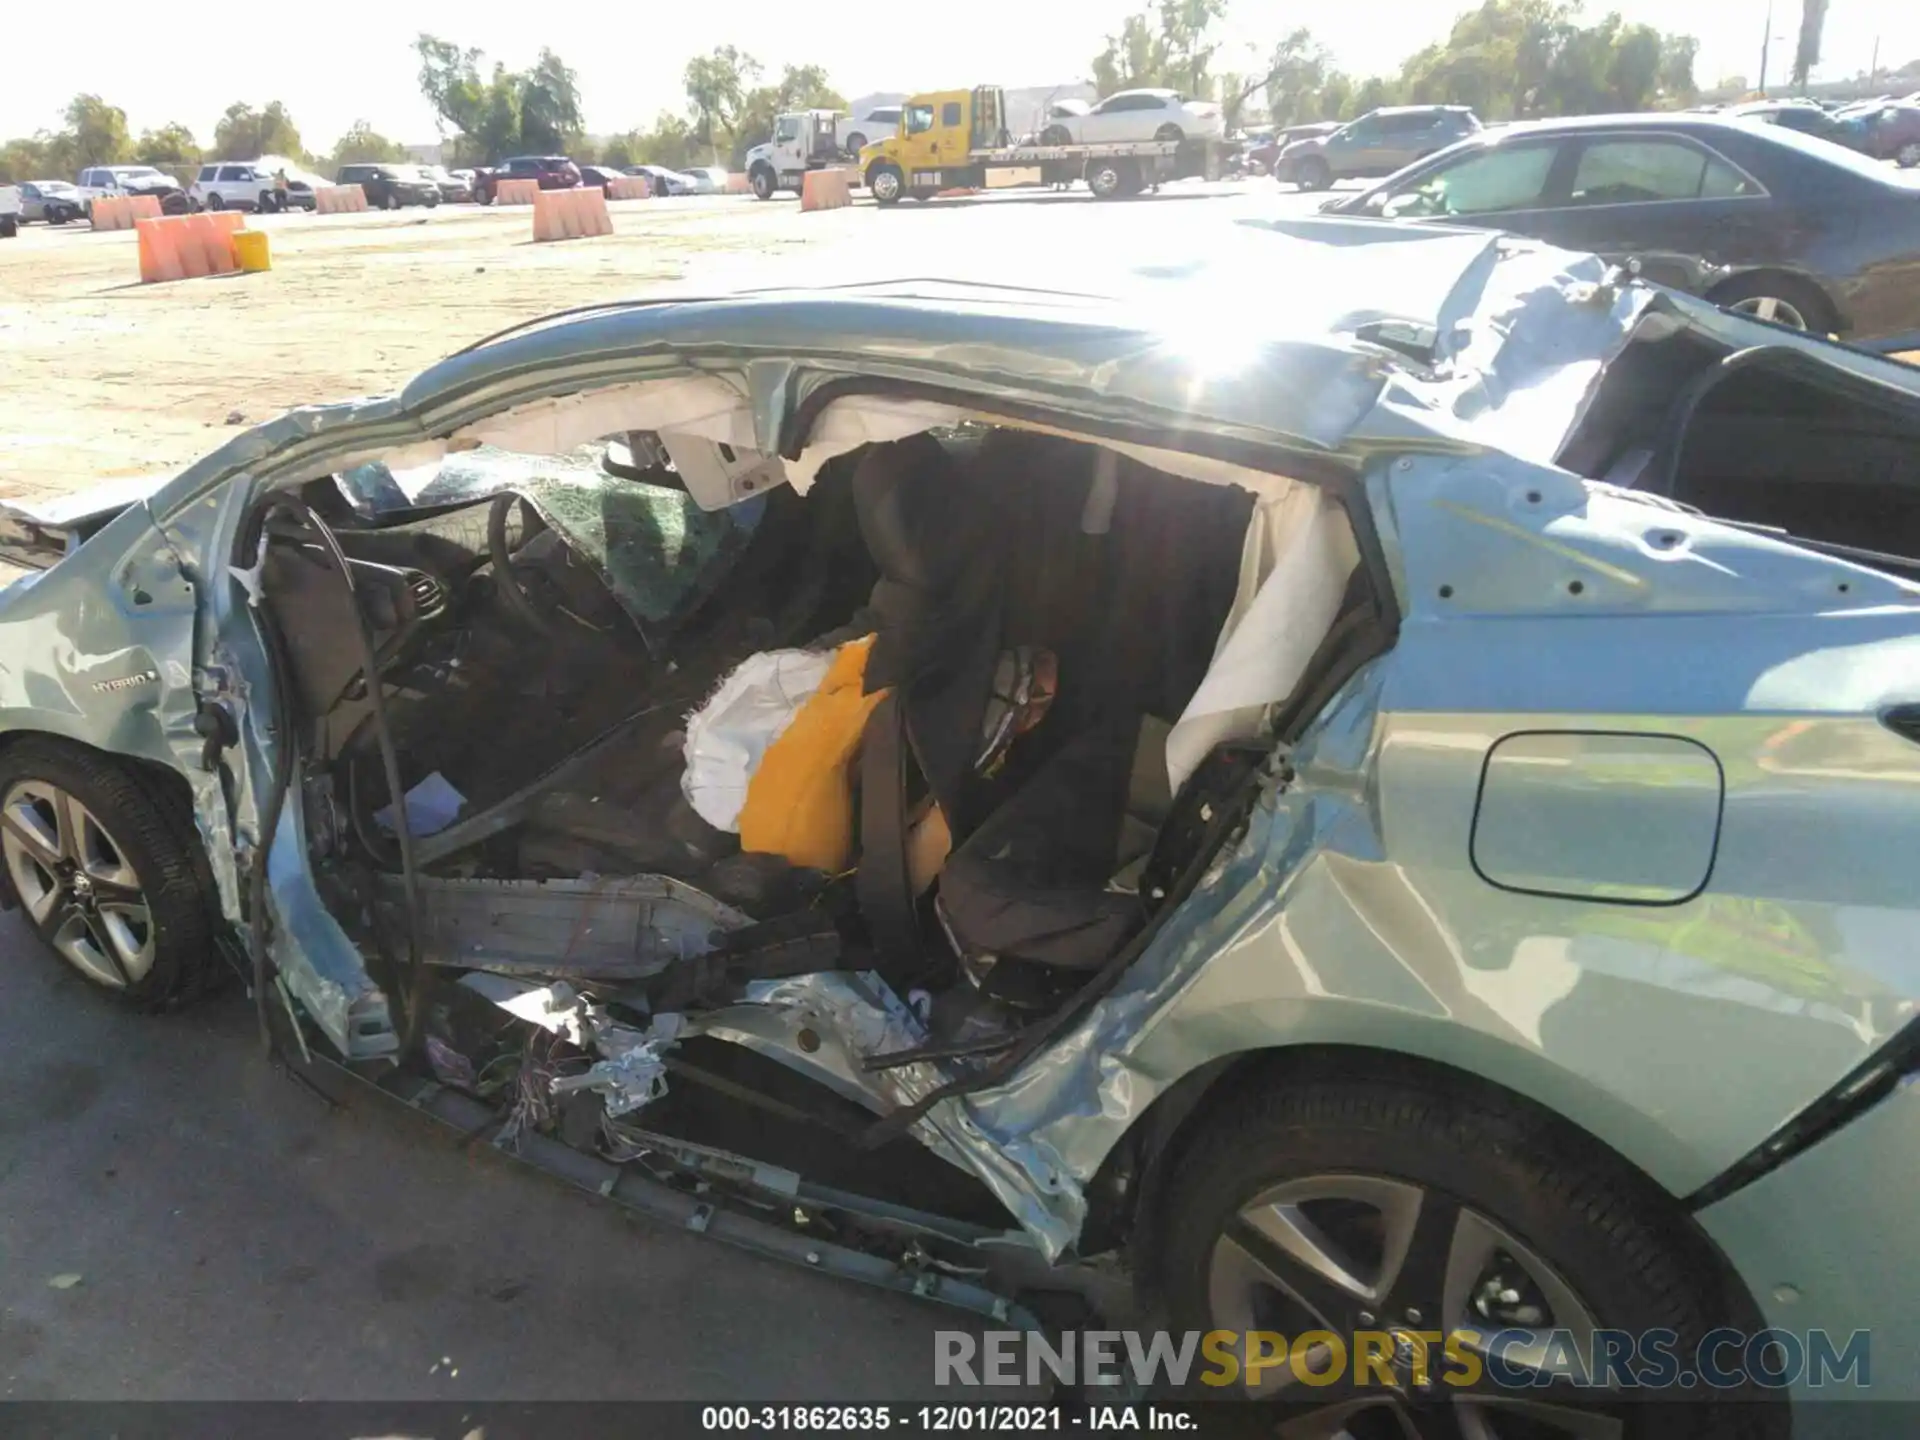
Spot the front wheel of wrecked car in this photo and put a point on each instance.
(1358, 1218)
(103, 858)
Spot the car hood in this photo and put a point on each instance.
(155, 186)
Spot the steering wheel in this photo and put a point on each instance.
(512, 592)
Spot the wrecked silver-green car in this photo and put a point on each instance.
(1387, 798)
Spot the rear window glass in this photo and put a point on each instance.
(1632, 171)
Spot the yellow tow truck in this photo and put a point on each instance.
(953, 139)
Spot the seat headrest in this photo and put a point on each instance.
(914, 513)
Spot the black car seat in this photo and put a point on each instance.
(1127, 576)
(1044, 878)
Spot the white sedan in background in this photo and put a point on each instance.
(665, 181)
(1137, 115)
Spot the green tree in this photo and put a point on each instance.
(1372, 93)
(1137, 56)
(716, 85)
(244, 133)
(450, 81)
(504, 112)
(670, 142)
(363, 145)
(1806, 53)
(1678, 87)
(1633, 71)
(26, 159)
(1522, 58)
(549, 105)
(1185, 27)
(96, 133)
(1297, 71)
(171, 148)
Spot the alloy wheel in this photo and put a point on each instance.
(1909, 155)
(1365, 1253)
(76, 884)
(1772, 308)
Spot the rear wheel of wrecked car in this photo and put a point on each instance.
(1780, 299)
(103, 858)
(1381, 1208)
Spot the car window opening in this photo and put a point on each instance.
(960, 714)
(1768, 439)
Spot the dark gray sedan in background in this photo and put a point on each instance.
(1756, 217)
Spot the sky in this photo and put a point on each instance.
(353, 59)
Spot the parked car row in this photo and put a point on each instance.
(273, 183)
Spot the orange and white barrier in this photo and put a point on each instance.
(825, 190)
(570, 214)
(739, 185)
(184, 247)
(339, 199)
(516, 192)
(118, 212)
(630, 187)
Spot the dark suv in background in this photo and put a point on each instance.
(388, 187)
(554, 172)
(1378, 143)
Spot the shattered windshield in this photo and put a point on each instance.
(658, 552)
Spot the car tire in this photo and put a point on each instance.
(1170, 134)
(1112, 179)
(1782, 299)
(106, 864)
(1908, 155)
(1056, 135)
(1315, 174)
(9, 227)
(1367, 1191)
(886, 184)
(764, 182)
(856, 142)
(216, 201)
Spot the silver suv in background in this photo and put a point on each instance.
(1378, 143)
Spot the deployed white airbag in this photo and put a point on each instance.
(727, 736)
(1293, 573)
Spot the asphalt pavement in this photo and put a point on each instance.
(179, 1221)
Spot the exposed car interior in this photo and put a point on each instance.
(1753, 437)
(1000, 631)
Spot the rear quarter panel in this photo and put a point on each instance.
(1679, 1034)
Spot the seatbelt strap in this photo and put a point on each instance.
(883, 885)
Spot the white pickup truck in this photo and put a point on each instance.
(9, 211)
